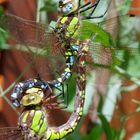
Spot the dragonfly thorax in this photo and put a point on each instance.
(67, 28)
(33, 123)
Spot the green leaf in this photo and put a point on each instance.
(138, 109)
(106, 127)
(50, 6)
(3, 39)
(124, 73)
(89, 29)
(72, 87)
(71, 92)
(133, 69)
(121, 135)
(52, 25)
(100, 105)
(3, 34)
(1, 11)
(125, 7)
(136, 136)
(95, 134)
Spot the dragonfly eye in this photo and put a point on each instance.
(68, 8)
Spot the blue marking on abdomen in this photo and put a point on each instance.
(75, 47)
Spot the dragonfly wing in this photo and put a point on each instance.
(11, 133)
(103, 47)
(39, 47)
(104, 56)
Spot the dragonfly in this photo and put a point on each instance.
(32, 122)
(67, 31)
(66, 37)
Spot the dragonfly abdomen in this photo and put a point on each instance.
(67, 28)
(54, 133)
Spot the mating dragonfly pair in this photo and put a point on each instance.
(31, 94)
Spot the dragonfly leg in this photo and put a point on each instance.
(83, 6)
(60, 85)
(88, 7)
(55, 105)
(53, 97)
(62, 102)
(95, 17)
(79, 3)
(50, 91)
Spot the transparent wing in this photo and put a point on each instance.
(11, 133)
(32, 41)
(37, 41)
(114, 47)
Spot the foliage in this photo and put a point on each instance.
(3, 39)
(126, 37)
(3, 34)
(1, 11)
(126, 67)
(89, 29)
(135, 136)
(49, 6)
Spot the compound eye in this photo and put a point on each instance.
(69, 7)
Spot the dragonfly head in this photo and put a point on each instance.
(67, 7)
(33, 96)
